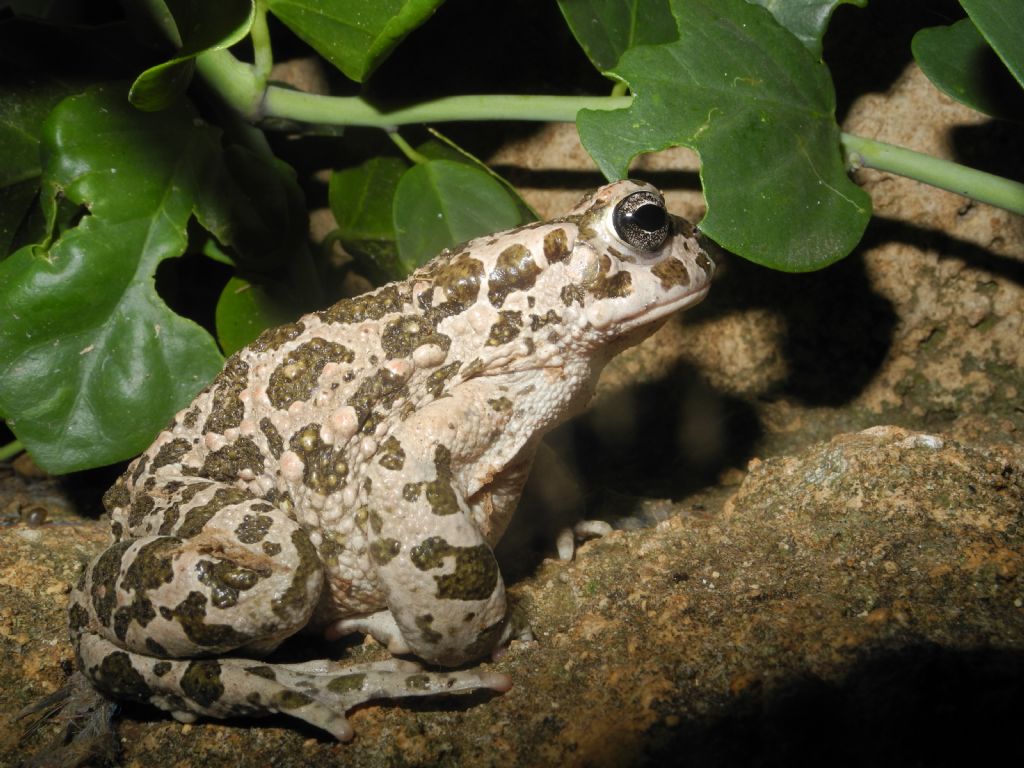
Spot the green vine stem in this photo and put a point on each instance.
(263, 57)
(237, 84)
(10, 450)
(969, 182)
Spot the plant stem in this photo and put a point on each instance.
(238, 85)
(969, 182)
(407, 150)
(334, 110)
(263, 56)
(233, 80)
(13, 448)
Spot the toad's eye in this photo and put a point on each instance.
(641, 221)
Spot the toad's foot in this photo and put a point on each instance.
(319, 692)
(582, 531)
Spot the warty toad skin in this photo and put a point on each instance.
(353, 470)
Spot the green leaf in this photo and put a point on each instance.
(92, 362)
(202, 26)
(605, 29)
(443, 148)
(807, 19)
(354, 35)
(25, 101)
(441, 203)
(961, 64)
(1001, 22)
(362, 201)
(759, 108)
(244, 311)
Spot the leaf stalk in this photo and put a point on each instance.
(978, 185)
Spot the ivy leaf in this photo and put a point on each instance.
(961, 64)
(362, 201)
(92, 362)
(807, 19)
(354, 35)
(605, 29)
(244, 311)
(440, 147)
(1001, 22)
(25, 101)
(441, 203)
(759, 108)
(202, 26)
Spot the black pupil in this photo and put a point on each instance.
(649, 217)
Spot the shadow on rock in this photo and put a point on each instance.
(921, 706)
(838, 330)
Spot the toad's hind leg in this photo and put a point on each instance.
(320, 693)
(206, 574)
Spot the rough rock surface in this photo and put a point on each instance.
(834, 464)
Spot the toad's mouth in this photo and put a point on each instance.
(601, 318)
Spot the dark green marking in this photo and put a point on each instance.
(324, 468)
(514, 270)
(298, 374)
(391, 454)
(505, 328)
(171, 452)
(227, 409)
(476, 572)
(671, 272)
(201, 682)
(227, 462)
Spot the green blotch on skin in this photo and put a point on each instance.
(615, 286)
(191, 614)
(347, 683)
(476, 572)
(400, 337)
(500, 404)
(274, 338)
(382, 389)
(424, 624)
(392, 456)
(514, 270)
(296, 599)
(556, 246)
(291, 700)
(201, 682)
(383, 551)
(151, 568)
(228, 462)
(197, 517)
(116, 675)
(275, 443)
(117, 496)
(440, 493)
(140, 509)
(459, 277)
(368, 306)
(505, 329)
(227, 409)
(437, 380)
(253, 528)
(420, 682)
(171, 453)
(104, 581)
(671, 272)
(262, 670)
(298, 374)
(324, 468)
(548, 318)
